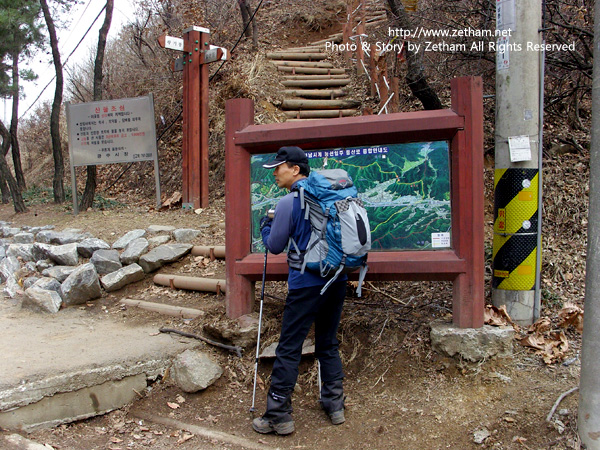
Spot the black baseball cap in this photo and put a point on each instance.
(294, 155)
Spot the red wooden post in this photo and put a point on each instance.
(195, 119)
(467, 202)
(373, 69)
(239, 113)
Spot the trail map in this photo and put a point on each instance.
(405, 189)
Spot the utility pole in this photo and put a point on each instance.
(589, 385)
(517, 177)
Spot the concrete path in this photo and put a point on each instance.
(44, 355)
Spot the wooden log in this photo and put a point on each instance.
(323, 114)
(190, 283)
(215, 251)
(169, 310)
(311, 70)
(297, 56)
(315, 77)
(316, 83)
(319, 104)
(322, 64)
(315, 93)
(310, 49)
(334, 38)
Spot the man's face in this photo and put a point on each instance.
(285, 175)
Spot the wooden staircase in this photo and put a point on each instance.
(314, 88)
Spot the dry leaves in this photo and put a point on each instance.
(497, 317)
(173, 405)
(571, 314)
(551, 346)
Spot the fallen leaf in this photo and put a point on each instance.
(115, 440)
(172, 405)
(541, 326)
(534, 340)
(571, 314)
(180, 399)
(184, 438)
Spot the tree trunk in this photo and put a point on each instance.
(6, 176)
(87, 198)
(14, 123)
(415, 76)
(246, 11)
(5, 134)
(59, 166)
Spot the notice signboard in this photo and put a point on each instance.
(404, 187)
(112, 131)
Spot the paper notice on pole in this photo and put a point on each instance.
(502, 53)
(520, 148)
(505, 15)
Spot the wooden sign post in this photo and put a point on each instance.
(197, 54)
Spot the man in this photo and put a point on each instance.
(304, 306)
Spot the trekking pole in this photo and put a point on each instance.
(270, 213)
(260, 312)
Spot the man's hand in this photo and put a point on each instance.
(265, 222)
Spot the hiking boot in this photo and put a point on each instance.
(264, 426)
(337, 417)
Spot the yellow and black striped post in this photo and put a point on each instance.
(515, 229)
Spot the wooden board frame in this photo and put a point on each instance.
(462, 126)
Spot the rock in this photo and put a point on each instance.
(43, 264)
(134, 250)
(194, 371)
(29, 281)
(308, 348)
(127, 238)
(49, 284)
(64, 255)
(242, 332)
(186, 234)
(87, 247)
(8, 266)
(2, 252)
(18, 442)
(61, 237)
(106, 261)
(41, 251)
(158, 240)
(479, 436)
(48, 301)
(155, 229)
(472, 344)
(9, 231)
(12, 287)
(23, 251)
(59, 273)
(23, 238)
(163, 254)
(122, 277)
(82, 285)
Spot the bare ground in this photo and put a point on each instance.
(400, 393)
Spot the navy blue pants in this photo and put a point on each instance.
(302, 308)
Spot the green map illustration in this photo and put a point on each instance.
(404, 187)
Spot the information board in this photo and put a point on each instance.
(404, 187)
(111, 131)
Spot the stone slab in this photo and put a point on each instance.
(71, 351)
(472, 344)
(76, 405)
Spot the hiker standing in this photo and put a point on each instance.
(304, 305)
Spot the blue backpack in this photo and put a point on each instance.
(340, 236)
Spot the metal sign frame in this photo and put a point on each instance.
(462, 126)
(106, 123)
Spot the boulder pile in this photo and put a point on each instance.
(55, 269)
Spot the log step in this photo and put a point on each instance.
(319, 104)
(321, 114)
(324, 65)
(316, 83)
(297, 56)
(311, 70)
(315, 49)
(315, 93)
(315, 77)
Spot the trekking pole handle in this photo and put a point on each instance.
(271, 213)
